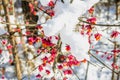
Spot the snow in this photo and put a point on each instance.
(9, 72)
(4, 58)
(79, 44)
(92, 71)
(44, 2)
(66, 15)
(64, 22)
(2, 31)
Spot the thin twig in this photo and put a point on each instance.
(101, 62)
(75, 73)
(86, 74)
(103, 25)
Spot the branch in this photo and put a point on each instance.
(114, 61)
(75, 73)
(18, 24)
(12, 41)
(101, 62)
(103, 25)
(58, 52)
(86, 74)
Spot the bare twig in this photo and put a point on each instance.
(75, 73)
(103, 25)
(102, 62)
(12, 41)
(87, 71)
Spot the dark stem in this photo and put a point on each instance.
(114, 61)
(116, 6)
(87, 71)
(118, 76)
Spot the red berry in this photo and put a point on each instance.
(65, 78)
(48, 72)
(115, 34)
(40, 68)
(60, 67)
(67, 72)
(51, 4)
(38, 76)
(68, 48)
(97, 36)
(0, 51)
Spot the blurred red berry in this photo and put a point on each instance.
(51, 12)
(68, 48)
(39, 27)
(97, 36)
(51, 4)
(91, 10)
(92, 20)
(84, 60)
(109, 57)
(65, 78)
(38, 76)
(60, 67)
(40, 68)
(115, 34)
(48, 72)
(9, 46)
(67, 72)
(0, 51)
